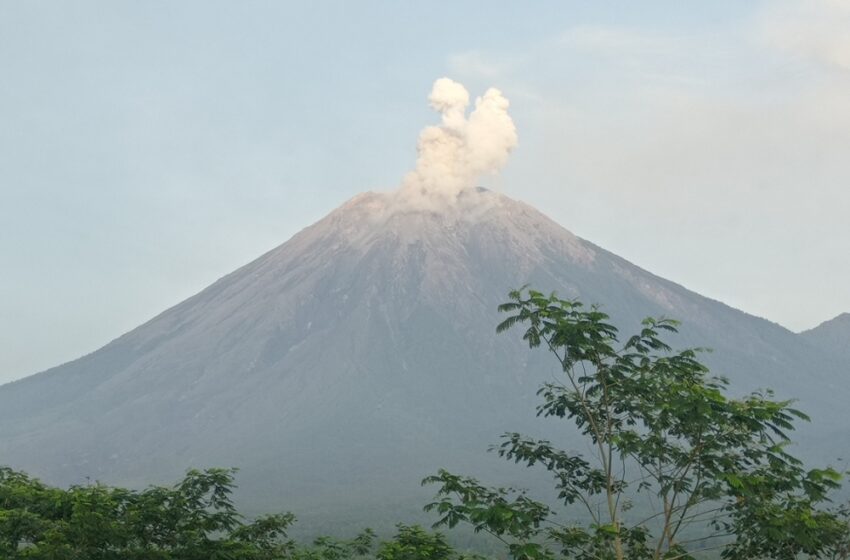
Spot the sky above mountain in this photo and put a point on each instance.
(147, 149)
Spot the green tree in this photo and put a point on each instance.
(415, 543)
(193, 520)
(677, 466)
(328, 548)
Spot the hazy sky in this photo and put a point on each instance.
(148, 148)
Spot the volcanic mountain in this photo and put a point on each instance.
(343, 366)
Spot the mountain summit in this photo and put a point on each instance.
(832, 336)
(343, 366)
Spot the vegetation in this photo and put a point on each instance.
(193, 520)
(708, 472)
(676, 469)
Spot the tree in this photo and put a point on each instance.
(663, 434)
(193, 520)
(415, 543)
(328, 548)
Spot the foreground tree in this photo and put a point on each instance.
(677, 466)
(193, 520)
(411, 542)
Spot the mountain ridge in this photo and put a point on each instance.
(832, 336)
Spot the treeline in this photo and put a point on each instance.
(193, 520)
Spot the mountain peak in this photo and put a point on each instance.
(451, 222)
(832, 336)
(842, 320)
(466, 203)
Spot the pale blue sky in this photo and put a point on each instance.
(148, 148)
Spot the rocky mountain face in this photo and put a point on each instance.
(340, 368)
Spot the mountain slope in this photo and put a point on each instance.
(343, 366)
(832, 336)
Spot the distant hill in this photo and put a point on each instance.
(832, 336)
(343, 366)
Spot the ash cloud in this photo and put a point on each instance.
(462, 148)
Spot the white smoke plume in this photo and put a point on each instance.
(455, 153)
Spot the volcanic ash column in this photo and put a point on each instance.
(455, 153)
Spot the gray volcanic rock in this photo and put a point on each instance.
(343, 366)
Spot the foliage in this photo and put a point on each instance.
(414, 543)
(411, 542)
(194, 520)
(327, 548)
(663, 432)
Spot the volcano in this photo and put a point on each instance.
(340, 368)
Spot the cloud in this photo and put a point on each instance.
(453, 155)
(722, 146)
(817, 30)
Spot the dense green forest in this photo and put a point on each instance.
(674, 469)
(193, 520)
